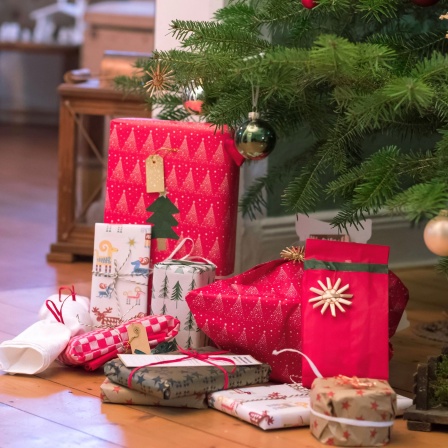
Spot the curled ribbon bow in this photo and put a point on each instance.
(355, 382)
(53, 308)
(208, 358)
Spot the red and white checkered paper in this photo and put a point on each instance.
(95, 344)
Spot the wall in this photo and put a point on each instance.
(168, 10)
(28, 81)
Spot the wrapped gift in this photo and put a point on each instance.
(255, 312)
(176, 382)
(172, 280)
(352, 411)
(345, 310)
(115, 393)
(275, 406)
(94, 348)
(182, 178)
(120, 273)
(259, 311)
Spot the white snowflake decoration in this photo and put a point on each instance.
(331, 296)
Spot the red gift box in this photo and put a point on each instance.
(200, 167)
(345, 310)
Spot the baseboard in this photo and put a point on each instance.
(262, 240)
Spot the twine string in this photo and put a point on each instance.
(116, 276)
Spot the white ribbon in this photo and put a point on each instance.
(345, 421)
(352, 422)
(187, 257)
(311, 363)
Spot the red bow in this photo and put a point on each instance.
(355, 382)
(57, 312)
(205, 357)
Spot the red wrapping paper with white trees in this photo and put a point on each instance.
(180, 177)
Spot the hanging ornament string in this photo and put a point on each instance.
(255, 96)
(255, 138)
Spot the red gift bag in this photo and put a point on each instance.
(345, 310)
(260, 311)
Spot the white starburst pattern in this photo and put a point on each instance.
(331, 296)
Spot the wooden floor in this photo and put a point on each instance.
(61, 407)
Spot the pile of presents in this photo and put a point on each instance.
(315, 323)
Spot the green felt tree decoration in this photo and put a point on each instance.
(364, 84)
(163, 221)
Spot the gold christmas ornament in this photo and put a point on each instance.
(435, 234)
(161, 79)
(293, 253)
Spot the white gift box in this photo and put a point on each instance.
(273, 407)
(120, 273)
(172, 280)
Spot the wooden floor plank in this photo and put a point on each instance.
(17, 426)
(32, 299)
(82, 412)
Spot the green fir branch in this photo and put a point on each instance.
(442, 266)
(418, 202)
(254, 200)
(303, 192)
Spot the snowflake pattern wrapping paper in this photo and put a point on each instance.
(120, 273)
(371, 405)
(177, 382)
(116, 393)
(274, 406)
(172, 280)
(345, 309)
(201, 173)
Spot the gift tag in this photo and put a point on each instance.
(155, 176)
(138, 339)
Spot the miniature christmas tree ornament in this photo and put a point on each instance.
(435, 234)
